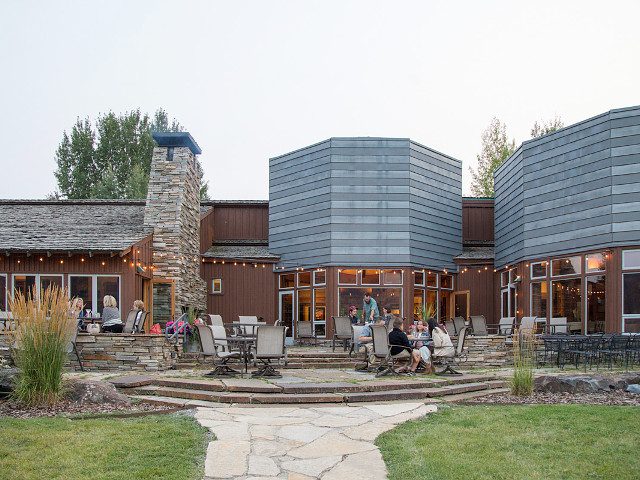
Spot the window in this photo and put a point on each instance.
(431, 305)
(504, 278)
(595, 262)
(216, 285)
(304, 305)
(320, 312)
(432, 280)
(347, 277)
(631, 294)
(392, 277)
(631, 259)
(384, 297)
(565, 300)
(566, 266)
(304, 279)
(513, 275)
(595, 303)
(3, 293)
(370, 277)
(446, 281)
(418, 279)
(539, 270)
(287, 280)
(320, 277)
(93, 288)
(418, 303)
(539, 299)
(26, 283)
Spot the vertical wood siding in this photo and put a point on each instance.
(477, 220)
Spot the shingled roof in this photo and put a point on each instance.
(247, 250)
(71, 225)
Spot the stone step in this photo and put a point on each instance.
(461, 397)
(189, 394)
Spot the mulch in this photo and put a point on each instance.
(613, 398)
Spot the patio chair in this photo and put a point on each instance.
(505, 325)
(633, 350)
(617, 348)
(558, 325)
(527, 326)
(341, 331)
(215, 320)
(458, 323)
(355, 345)
(71, 346)
(269, 346)
(248, 329)
(451, 328)
(131, 318)
(479, 325)
(138, 325)
(213, 340)
(458, 353)
(382, 352)
(305, 331)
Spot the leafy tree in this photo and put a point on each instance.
(114, 161)
(540, 129)
(496, 148)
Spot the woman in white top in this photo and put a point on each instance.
(441, 340)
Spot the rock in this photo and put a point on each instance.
(573, 383)
(94, 392)
(7, 379)
(633, 388)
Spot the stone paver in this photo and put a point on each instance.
(301, 443)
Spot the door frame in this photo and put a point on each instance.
(452, 308)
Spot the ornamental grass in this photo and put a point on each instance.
(44, 326)
(524, 353)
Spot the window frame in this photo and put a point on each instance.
(94, 288)
(371, 284)
(37, 282)
(400, 271)
(317, 283)
(213, 286)
(546, 270)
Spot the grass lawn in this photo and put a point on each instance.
(153, 447)
(516, 442)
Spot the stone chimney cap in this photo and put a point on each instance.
(176, 139)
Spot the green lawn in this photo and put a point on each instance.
(153, 447)
(516, 442)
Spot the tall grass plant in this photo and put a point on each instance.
(44, 326)
(524, 359)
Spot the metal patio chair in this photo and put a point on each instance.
(458, 353)
(71, 346)
(558, 325)
(451, 328)
(248, 330)
(355, 345)
(131, 318)
(617, 348)
(505, 325)
(213, 340)
(479, 325)
(458, 323)
(341, 331)
(269, 346)
(382, 352)
(306, 332)
(527, 326)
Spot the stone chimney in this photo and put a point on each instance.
(173, 210)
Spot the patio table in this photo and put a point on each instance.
(238, 327)
(244, 343)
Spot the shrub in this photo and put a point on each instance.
(523, 363)
(44, 327)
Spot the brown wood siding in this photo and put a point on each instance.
(477, 220)
(248, 222)
(207, 230)
(245, 291)
(483, 294)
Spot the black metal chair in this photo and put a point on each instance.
(617, 349)
(73, 347)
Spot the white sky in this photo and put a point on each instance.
(255, 79)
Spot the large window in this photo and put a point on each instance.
(631, 302)
(418, 303)
(320, 312)
(539, 299)
(93, 288)
(26, 283)
(565, 300)
(384, 297)
(566, 266)
(595, 303)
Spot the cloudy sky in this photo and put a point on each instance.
(255, 79)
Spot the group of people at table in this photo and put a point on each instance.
(423, 342)
(110, 319)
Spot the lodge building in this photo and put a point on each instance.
(352, 215)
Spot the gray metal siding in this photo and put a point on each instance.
(579, 187)
(365, 201)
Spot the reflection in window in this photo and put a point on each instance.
(24, 284)
(390, 297)
(48, 281)
(304, 306)
(304, 279)
(447, 281)
(431, 306)
(108, 286)
(504, 279)
(566, 299)
(288, 280)
(371, 277)
(82, 287)
(432, 280)
(631, 259)
(418, 279)
(418, 303)
(539, 299)
(347, 277)
(319, 277)
(320, 312)
(595, 262)
(595, 303)
(566, 266)
(539, 270)
(392, 277)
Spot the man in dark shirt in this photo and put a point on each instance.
(397, 337)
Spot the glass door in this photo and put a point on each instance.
(286, 315)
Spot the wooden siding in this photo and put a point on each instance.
(207, 232)
(248, 221)
(477, 220)
(484, 291)
(245, 291)
(579, 190)
(365, 201)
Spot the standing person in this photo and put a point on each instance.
(111, 321)
(441, 340)
(398, 338)
(369, 309)
(353, 314)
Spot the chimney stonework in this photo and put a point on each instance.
(173, 210)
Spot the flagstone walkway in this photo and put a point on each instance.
(301, 443)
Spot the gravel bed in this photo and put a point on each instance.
(615, 397)
(12, 409)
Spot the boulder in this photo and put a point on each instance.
(7, 379)
(85, 392)
(633, 388)
(573, 383)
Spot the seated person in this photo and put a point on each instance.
(398, 338)
(139, 306)
(441, 340)
(111, 321)
(423, 341)
(387, 315)
(365, 340)
(353, 314)
(77, 305)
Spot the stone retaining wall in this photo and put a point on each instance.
(117, 352)
(487, 351)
